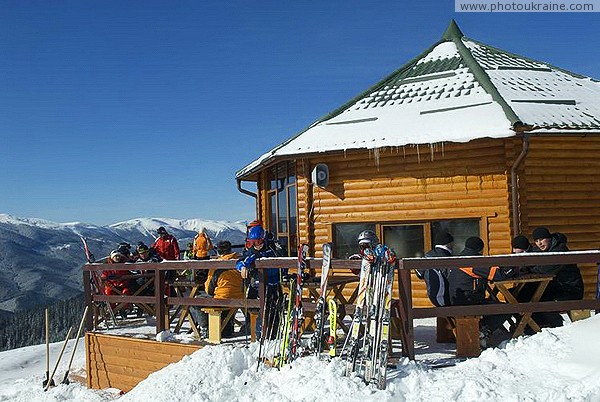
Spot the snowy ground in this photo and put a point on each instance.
(561, 364)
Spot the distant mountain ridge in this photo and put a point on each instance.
(40, 260)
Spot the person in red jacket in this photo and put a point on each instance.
(166, 245)
(114, 281)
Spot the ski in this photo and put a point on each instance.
(598, 287)
(387, 260)
(442, 362)
(297, 311)
(350, 349)
(367, 345)
(332, 340)
(285, 325)
(88, 255)
(317, 338)
(96, 284)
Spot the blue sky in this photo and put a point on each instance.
(112, 110)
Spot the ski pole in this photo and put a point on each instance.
(59, 356)
(245, 290)
(65, 380)
(47, 354)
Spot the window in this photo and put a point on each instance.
(345, 238)
(407, 239)
(281, 205)
(461, 230)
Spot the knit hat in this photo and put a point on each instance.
(142, 248)
(161, 230)
(520, 242)
(541, 233)
(474, 243)
(115, 256)
(224, 247)
(443, 238)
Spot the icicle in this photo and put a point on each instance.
(418, 155)
(376, 155)
(432, 151)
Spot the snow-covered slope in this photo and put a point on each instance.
(561, 364)
(40, 260)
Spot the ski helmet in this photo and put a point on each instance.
(256, 233)
(368, 238)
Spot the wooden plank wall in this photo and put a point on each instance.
(122, 362)
(560, 189)
(409, 184)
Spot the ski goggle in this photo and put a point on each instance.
(255, 242)
(364, 244)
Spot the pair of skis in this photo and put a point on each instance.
(292, 318)
(317, 339)
(96, 284)
(366, 347)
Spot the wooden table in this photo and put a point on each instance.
(148, 280)
(183, 312)
(510, 289)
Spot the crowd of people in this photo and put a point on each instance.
(445, 287)
(467, 286)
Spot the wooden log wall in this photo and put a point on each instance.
(121, 362)
(409, 184)
(560, 188)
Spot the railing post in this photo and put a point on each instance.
(405, 295)
(161, 300)
(87, 291)
(262, 283)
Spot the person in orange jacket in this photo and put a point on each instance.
(222, 284)
(202, 245)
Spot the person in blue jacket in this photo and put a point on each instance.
(259, 244)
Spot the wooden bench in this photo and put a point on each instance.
(216, 322)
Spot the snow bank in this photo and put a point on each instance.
(561, 364)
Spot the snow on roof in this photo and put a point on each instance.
(456, 91)
(541, 95)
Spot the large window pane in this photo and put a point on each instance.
(272, 211)
(461, 230)
(406, 240)
(345, 235)
(282, 225)
(292, 232)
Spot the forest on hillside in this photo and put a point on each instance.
(27, 327)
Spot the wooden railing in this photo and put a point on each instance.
(407, 313)
(161, 302)
(404, 310)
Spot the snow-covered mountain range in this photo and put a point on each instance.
(40, 261)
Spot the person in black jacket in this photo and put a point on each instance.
(567, 283)
(467, 286)
(436, 280)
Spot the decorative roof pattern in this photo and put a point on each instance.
(543, 96)
(456, 91)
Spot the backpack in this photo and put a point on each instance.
(437, 286)
(436, 281)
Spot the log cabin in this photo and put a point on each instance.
(465, 137)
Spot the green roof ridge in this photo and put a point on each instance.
(452, 32)
(479, 73)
